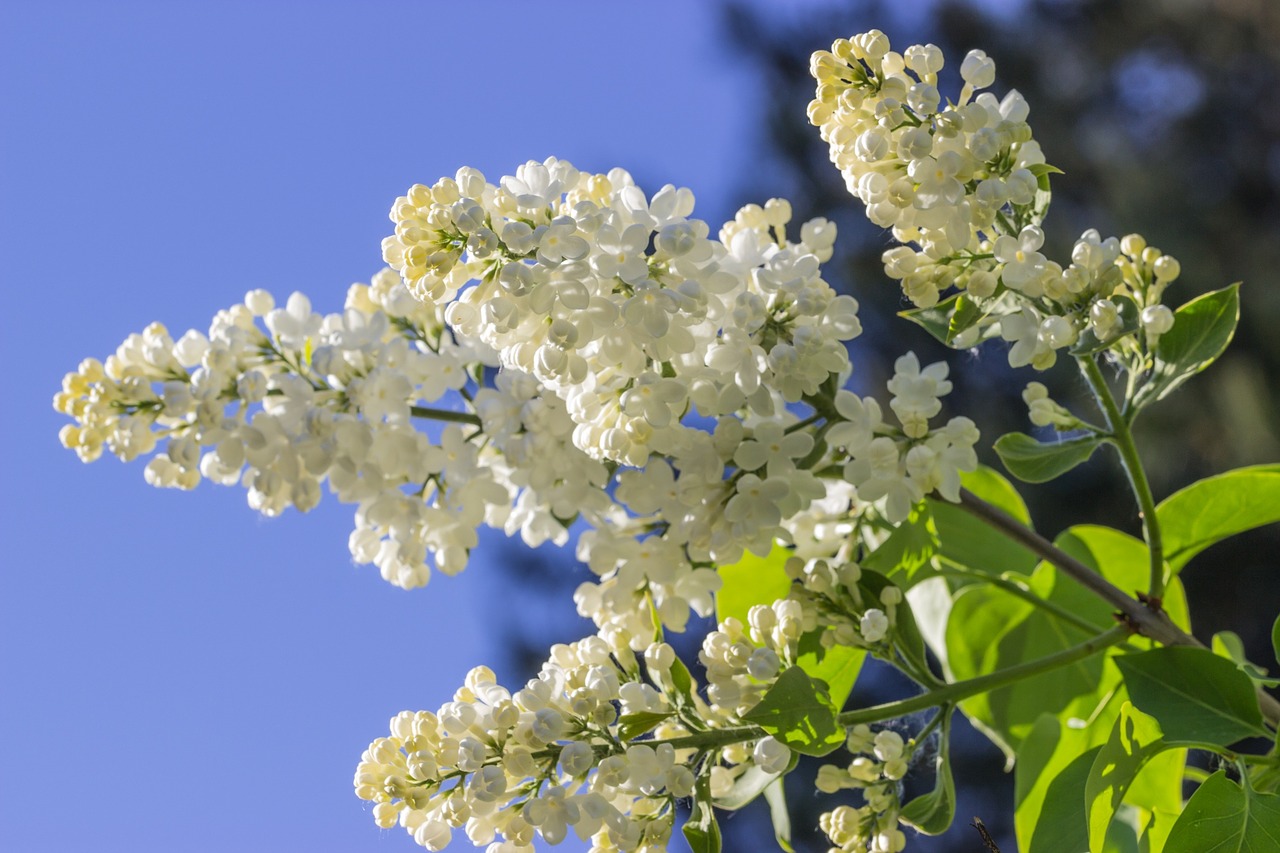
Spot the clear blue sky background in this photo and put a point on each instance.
(177, 672)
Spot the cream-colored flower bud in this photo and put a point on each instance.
(777, 212)
(1157, 319)
(1167, 269)
(831, 779)
(1133, 244)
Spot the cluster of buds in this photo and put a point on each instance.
(832, 595)
(605, 740)
(964, 187)
(880, 760)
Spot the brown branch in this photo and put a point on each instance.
(1146, 618)
(986, 836)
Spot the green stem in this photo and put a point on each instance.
(947, 694)
(1122, 438)
(1017, 589)
(985, 683)
(799, 425)
(444, 415)
(942, 718)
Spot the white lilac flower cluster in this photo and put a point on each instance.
(623, 305)
(691, 348)
(964, 188)
(880, 761)
(565, 752)
(283, 399)
(592, 743)
(543, 760)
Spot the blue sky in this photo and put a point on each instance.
(179, 673)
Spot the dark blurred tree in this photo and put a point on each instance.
(1165, 117)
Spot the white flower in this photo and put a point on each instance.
(874, 626)
(1024, 267)
(916, 393)
(771, 448)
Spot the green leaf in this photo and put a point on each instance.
(1135, 739)
(682, 681)
(776, 796)
(798, 712)
(746, 788)
(631, 726)
(836, 666)
(930, 602)
(1035, 462)
(1042, 171)
(1128, 321)
(964, 317)
(994, 488)
(968, 542)
(1202, 328)
(701, 830)
(1062, 826)
(938, 319)
(1196, 696)
(990, 629)
(1224, 818)
(1275, 638)
(1212, 509)
(750, 581)
(1045, 753)
(909, 549)
(1228, 644)
(1156, 835)
(933, 813)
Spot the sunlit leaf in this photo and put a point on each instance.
(908, 550)
(746, 788)
(797, 711)
(1135, 739)
(776, 796)
(1228, 644)
(701, 830)
(1062, 826)
(631, 726)
(763, 580)
(750, 581)
(991, 629)
(1214, 508)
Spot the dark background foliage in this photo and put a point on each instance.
(1165, 117)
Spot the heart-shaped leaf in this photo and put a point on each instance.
(798, 712)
